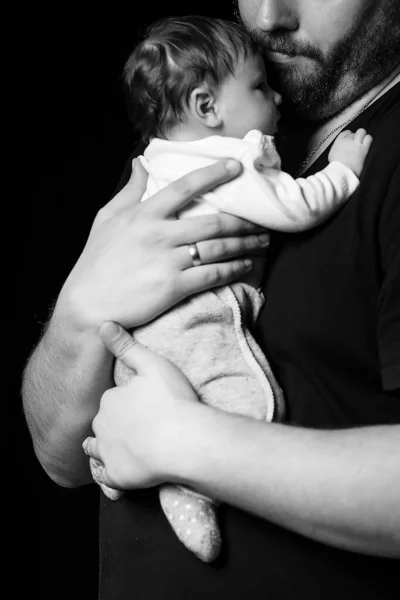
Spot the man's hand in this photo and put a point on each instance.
(138, 423)
(136, 262)
(351, 149)
(135, 265)
(315, 482)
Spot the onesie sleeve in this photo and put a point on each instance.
(274, 199)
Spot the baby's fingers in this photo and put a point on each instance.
(345, 133)
(359, 135)
(367, 141)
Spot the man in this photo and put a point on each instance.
(311, 508)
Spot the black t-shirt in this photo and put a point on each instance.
(331, 329)
(331, 325)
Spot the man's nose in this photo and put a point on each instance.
(277, 14)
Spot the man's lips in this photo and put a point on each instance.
(280, 57)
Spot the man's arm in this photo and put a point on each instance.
(135, 265)
(339, 487)
(62, 385)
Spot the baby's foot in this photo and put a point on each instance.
(96, 469)
(193, 518)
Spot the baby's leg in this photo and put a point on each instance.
(242, 381)
(193, 518)
(208, 338)
(191, 515)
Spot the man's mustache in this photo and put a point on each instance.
(284, 44)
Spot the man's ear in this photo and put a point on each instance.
(203, 107)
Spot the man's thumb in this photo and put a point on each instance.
(125, 347)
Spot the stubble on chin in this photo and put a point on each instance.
(305, 92)
(319, 86)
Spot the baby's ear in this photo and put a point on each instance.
(203, 106)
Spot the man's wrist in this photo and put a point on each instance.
(180, 443)
(193, 444)
(72, 312)
(69, 332)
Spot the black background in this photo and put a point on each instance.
(73, 139)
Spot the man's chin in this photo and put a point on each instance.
(304, 96)
(298, 113)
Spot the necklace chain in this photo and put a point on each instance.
(327, 136)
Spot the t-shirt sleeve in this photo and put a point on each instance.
(389, 298)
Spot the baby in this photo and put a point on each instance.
(198, 92)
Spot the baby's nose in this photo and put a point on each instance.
(277, 98)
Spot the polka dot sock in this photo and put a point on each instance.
(193, 518)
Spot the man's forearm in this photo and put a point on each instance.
(62, 386)
(338, 487)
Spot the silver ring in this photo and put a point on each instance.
(194, 254)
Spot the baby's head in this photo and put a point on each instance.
(192, 77)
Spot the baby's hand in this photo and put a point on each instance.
(351, 149)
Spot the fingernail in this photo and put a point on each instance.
(248, 264)
(111, 330)
(233, 166)
(264, 239)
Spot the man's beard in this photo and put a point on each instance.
(357, 63)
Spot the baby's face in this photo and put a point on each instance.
(247, 102)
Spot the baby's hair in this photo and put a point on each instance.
(175, 56)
